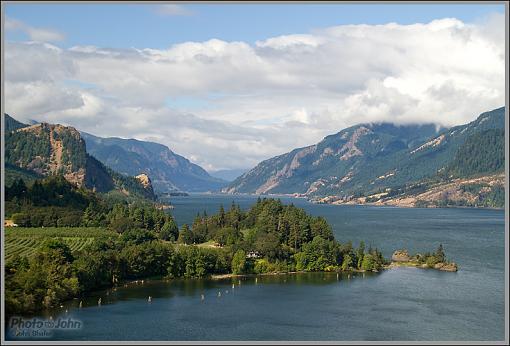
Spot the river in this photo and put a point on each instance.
(396, 304)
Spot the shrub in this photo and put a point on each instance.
(239, 262)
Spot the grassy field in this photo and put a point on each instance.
(210, 243)
(25, 241)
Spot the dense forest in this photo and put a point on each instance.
(55, 202)
(482, 152)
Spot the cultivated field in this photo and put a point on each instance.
(25, 241)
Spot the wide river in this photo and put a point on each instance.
(396, 304)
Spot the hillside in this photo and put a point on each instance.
(339, 162)
(12, 124)
(373, 159)
(485, 191)
(52, 149)
(167, 170)
(482, 152)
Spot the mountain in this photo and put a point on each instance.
(368, 160)
(12, 124)
(228, 174)
(168, 171)
(339, 161)
(52, 149)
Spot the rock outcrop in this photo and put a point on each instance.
(447, 267)
(400, 256)
(144, 180)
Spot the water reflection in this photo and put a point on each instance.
(154, 290)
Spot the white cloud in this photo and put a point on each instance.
(35, 34)
(12, 24)
(267, 98)
(284, 42)
(173, 10)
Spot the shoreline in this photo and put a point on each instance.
(371, 204)
(150, 280)
(413, 207)
(229, 276)
(357, 204)
(392, 265)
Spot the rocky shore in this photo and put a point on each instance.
(401, 258)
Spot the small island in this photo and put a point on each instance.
(435, 260)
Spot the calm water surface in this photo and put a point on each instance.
(397, 304)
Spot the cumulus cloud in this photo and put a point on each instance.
(35, 34)
(266, 98)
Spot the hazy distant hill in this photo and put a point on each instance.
(228, 174)
(167, 170)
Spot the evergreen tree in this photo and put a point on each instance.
(221, 218)
(185, 235)
(169, 230)
(439, 255)
(360, 252)
(320, 227)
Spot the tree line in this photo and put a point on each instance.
(55, 202)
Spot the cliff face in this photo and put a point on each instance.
(49, 149)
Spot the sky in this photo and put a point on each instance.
(230, 85)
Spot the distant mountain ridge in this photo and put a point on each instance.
(167, 170)
(228, 174)
(370, 159)
(333, 160)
